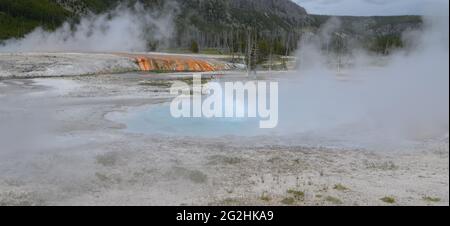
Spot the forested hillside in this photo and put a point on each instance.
(18, 17)
(227, 26)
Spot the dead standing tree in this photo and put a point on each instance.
(251, 52)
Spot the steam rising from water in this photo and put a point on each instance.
(405, 99)
(123, 29)
(375, 102)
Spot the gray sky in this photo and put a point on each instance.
(369, 7)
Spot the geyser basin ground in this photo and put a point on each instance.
(81, 158)
(41, 64)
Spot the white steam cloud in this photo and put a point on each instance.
(123, 29)
(404, 100)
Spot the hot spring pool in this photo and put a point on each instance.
(297, 114)
(157, 119)
(327, 113)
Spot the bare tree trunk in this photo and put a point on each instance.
(249, 52)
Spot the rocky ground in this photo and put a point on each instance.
(38, 65)
(26, 65)
(57, 148)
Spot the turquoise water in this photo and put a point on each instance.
(157, 119)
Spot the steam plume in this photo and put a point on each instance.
(123, 29)
(405, 99)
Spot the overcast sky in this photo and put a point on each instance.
(368, 7)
